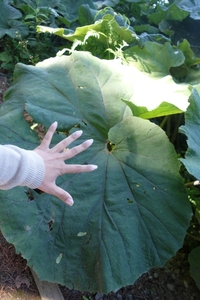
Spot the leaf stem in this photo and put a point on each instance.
(163, 121)
(194, 237)
(193, 183)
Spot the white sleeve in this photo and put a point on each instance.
(20, 167)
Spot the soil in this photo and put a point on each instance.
(3, 85)
(171, 282)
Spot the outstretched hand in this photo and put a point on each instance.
(54, 161)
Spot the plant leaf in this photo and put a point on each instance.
(104, 3)
(159, 65)
(173, 12)
(102, 27)
(86, 15)
(191, 6)
(194, 260)
(129, 207)
(69, 8)
(8, 23)
(191, 130)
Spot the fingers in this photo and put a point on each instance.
(55, 190)
(67, 141)
(48, 136)
(72, 169)
(62, 195)
(64, 143)
(77, 149)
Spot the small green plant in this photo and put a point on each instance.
(19, 40)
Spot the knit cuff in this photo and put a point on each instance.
(20, 167)
(35, 170)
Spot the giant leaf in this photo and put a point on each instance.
(126, 217)
(154, 58)
(191, 130)
(155, 92)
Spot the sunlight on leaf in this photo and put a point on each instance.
(129, 205)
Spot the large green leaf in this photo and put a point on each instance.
(151, 69)
(158, 60)
(191, 130)
(106, 32)
(154, 58)
(129, 215)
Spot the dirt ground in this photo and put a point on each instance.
(3, 85)
(171, 282)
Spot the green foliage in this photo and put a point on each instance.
(89, 25)
(97, 38)
(8, 22)
(191, 130)
(124, 220)
(18, 38)
(191, 162)
(194, 260)
(107, 34)
(135, 203)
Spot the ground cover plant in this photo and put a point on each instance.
(133, 212)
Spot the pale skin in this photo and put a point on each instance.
(54, 161)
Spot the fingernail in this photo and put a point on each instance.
(55, 124)
(94, 167)
(69, 201)
(90, 141)
(79, 132)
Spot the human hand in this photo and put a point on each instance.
(54, 161)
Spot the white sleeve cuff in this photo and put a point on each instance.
(22, 168)
(35, 170)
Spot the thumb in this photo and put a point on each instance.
(62, 195)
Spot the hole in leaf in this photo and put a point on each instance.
(129, 201)
(84, 122)
(51, 225)
(110, 146)
(30, 195)
(87, 242)
(38, 191)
